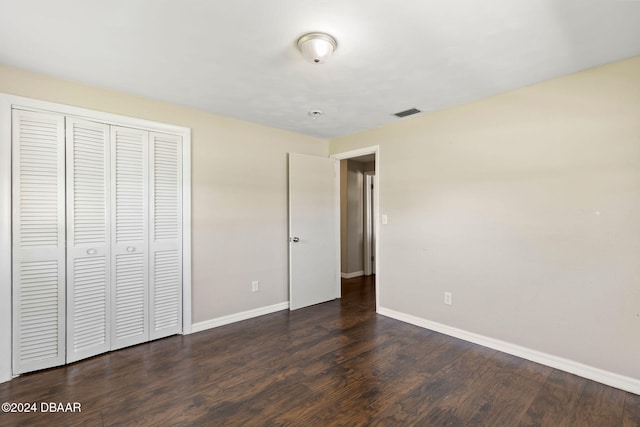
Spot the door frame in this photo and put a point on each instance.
(344, 155)
(7, 102)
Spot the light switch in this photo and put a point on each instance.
(384, 219)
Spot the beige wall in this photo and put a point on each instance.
(369, 167)
(526, 206)
(239, 191)
(355, 218)
(352, 214)
(343, 216)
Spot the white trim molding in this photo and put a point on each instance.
(352, 275)
(621, 382)
(237, 317)
(5, 242)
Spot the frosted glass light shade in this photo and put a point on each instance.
(317, 47)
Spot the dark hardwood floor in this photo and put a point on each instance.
(336, 363)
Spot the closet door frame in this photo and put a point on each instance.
(7, 103)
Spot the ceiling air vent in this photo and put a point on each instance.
(408, 112)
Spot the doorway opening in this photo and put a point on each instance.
(358, 229)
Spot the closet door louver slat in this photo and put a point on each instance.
(129, 242)
(38, 198)
(166, 238)
(88, 246)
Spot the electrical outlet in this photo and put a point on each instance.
(255, 286)
(448, 298)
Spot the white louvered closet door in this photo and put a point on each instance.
(129, 238)
(38, 241)
(165, 235)
(88, 253)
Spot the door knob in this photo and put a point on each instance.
(131, 249)
(295, 239)
(91, 251)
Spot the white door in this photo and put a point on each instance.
(165, 246)
(129, 237)
(313, 230)
(97, 242)
(88, 253)
(38, 241)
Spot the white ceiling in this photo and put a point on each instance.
(238, 58)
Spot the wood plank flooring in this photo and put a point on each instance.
(336, 363)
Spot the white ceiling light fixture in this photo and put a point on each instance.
(317, 47)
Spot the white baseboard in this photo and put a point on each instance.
(352, 275)
(629, 384)
(237, 317)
